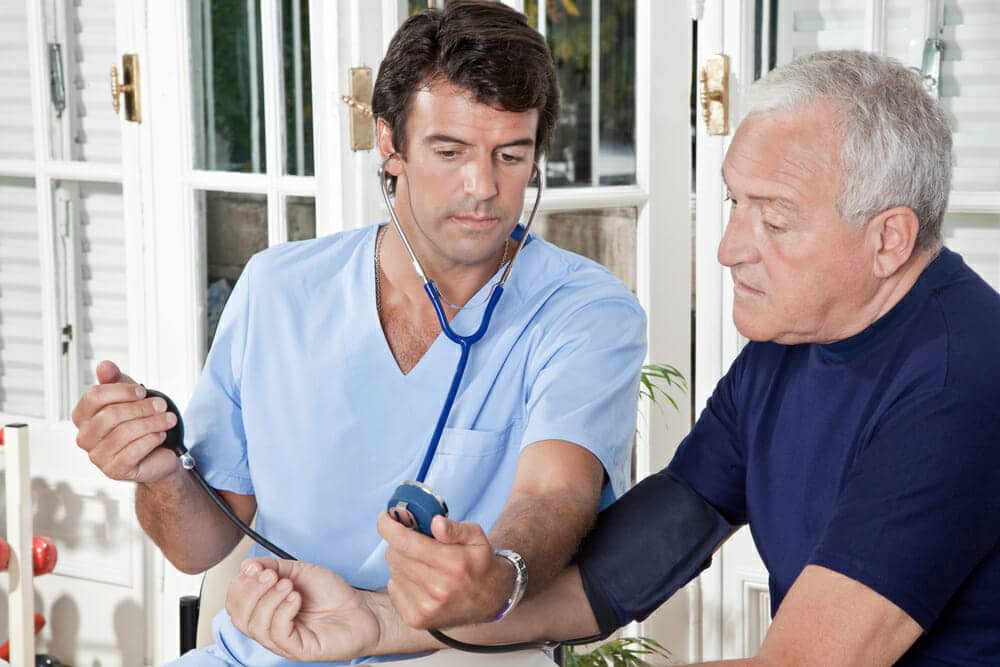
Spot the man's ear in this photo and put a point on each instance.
(383, 134)
(893, 233)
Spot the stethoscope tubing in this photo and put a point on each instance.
(465, 343)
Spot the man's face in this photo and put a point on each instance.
(460, 188)
(800, 273)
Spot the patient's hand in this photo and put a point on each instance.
(301, 611)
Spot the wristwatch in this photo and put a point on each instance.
(520, 580)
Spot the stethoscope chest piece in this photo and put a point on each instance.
(415, 505)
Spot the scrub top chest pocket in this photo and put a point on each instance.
(467, 463)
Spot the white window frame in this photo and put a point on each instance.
(58, 302)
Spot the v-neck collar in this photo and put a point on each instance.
(466, 321)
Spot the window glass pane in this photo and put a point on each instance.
(89, 130)
(568, 34)
(970, 91)
(16, 139)
(414, 6)
(235, 229)
(616, 158)
(607, 236)
(594, 140)
(301, 218)
(805, 26)
(22, 390)
(94, 213)
(298, 88)
(228, 85)
(976, 237)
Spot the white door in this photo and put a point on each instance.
(71, 238)
(735, 603)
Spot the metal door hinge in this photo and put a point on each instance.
(360, 103)
(129, 87)
(930, 68)
(715, 94)
(57, 82)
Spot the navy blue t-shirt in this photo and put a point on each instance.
(878, 457)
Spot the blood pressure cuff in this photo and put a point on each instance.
(645, 547)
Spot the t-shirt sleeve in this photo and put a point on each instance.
(213, 420)
(919, 505)
(712, 458)
(586, 388)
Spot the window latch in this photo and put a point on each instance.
(67, 337)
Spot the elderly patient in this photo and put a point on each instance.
(858, 433)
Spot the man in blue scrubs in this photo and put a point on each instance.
(858, 433)
(329, 370)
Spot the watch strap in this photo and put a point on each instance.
(520, 580)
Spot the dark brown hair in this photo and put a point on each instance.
(481, 46)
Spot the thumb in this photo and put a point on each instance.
(109, 373)
(447, 531)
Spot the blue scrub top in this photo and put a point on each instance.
(302, 404)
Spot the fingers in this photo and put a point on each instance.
(127, 419)
(447, 531)
(107, 372)
(416, 599)
(263, 605)
(99, 396)
(119, 437)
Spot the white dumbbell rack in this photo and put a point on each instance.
(21, 591)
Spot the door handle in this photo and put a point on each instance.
(362, 123)
(128, 88)
(715, 94)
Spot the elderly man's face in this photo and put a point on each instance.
(800, 273)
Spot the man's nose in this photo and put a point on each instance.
(737, 245)
(480, 178)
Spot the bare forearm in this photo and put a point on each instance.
(560, 612)
(187, 527)
(546, 530)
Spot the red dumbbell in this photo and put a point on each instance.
(4, 555)
(43, 555)
(5, 649)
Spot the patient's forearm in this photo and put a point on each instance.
(560, 612)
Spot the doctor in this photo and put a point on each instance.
(328, 370)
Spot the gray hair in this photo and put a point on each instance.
(896, 147)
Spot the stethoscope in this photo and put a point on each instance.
(413, 504)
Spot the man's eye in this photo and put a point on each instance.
(446, 154)
(773, 228)
(510, 158)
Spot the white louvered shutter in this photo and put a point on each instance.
(102, 314)
(970, 90)
(91, 40)
(22, 389)
(805, 26)
(16, 140)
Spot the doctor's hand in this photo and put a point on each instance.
(454, 579)
(121, 429)
(302, 611)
